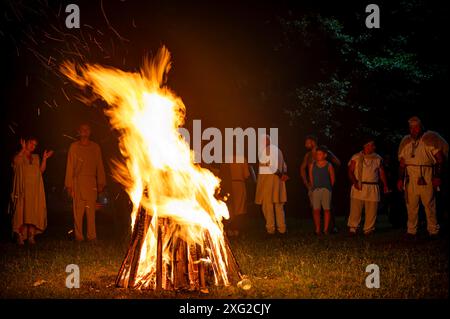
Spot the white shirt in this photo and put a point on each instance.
(371, 165)
(417, 153)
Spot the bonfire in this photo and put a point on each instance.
(177, 240)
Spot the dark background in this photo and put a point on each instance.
(303, 66)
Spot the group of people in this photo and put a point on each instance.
(85, 178)
(421, 156)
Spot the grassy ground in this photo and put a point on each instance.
(297, 266)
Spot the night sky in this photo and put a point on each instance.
(234, 65)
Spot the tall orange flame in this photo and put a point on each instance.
(159, 173)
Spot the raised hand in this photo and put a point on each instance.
(23, 144)
(47, 154)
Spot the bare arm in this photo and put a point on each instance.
(383, 179)
(332, 175)
(43, 164)
(439, 157)
(310, 171)
(303, 169)
(47, 154)
(437, 172)
(401, 174)
(334, 159)
(401, 169)
(351, 174)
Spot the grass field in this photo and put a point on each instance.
(299, 265)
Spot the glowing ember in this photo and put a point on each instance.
(175, 214)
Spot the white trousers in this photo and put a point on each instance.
(271, 217)
(425, 194)
(356, 208)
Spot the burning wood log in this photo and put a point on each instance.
(159, 261)
(180, 270)
(189, 265)
(127, 273)
(201, 270)
(194, 281)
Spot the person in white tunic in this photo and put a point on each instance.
(271, 186)
(365, 171)
(421, 155)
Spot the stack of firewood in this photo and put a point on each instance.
(191, 266)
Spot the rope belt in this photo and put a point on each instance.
(421, 172)
(370, 183)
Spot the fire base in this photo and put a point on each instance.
(190, 267)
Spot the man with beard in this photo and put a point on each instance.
(311, 144)
(421, 155)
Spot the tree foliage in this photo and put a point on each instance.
(365, 75)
